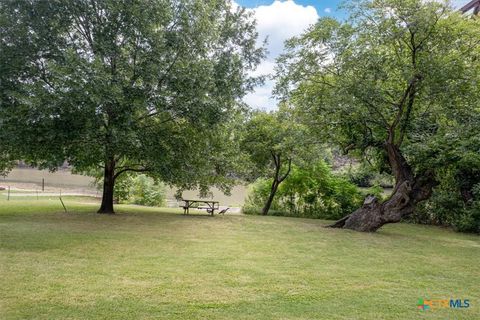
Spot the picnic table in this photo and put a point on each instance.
(210, 205)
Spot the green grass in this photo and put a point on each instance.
(154, 264)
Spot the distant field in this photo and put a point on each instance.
(147, 263)
(57, 179)
(63, 179)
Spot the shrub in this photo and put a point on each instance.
(361, 176)
(139, 189)
(122, 188)
(447, 207)
(312, 192)
(468, 220)
(366, 176)
(145, 191)
(257, 195)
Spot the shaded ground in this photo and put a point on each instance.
(155, 264)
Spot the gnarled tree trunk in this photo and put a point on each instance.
(409, 190)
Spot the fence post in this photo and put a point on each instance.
(8, 196)
(63, 204)
(43, 184)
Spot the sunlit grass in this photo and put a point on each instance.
(147, 263)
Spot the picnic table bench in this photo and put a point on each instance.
(209, 205)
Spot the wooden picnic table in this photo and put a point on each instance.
(210, 205)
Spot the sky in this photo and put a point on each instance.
(280, 20)
(320, 5)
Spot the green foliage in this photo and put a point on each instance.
(126, 85)
(257, 196)
(397, 72)
(447, 208)
(396, 82)
(267, 135)
(145, 191)
(360, 175)
(123, 188)
(469, 218)
(271, 143)
(311, 192)
(141, 190)
(456, 201)
(366, 176)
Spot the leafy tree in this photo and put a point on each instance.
(311, 191)
(126, 86)
(271, 141)
(392, 81)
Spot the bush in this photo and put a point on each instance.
(447, 207)
(144, 191)
(312, 192)
(122, 188)
(140, 189)
(361, 176)
(469, 219)
(257, 196)
(366, 176)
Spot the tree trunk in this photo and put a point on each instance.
(108, 187)
(277, 179)
(409, 190)
(273, 191)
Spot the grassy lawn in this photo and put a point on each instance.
(157, 264)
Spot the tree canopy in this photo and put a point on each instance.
(272, 143)
(390, 83)
(131, 85)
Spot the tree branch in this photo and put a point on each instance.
(375, 110)
(288, 171)
(132, 170)
(403, 128)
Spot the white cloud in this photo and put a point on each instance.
(328, 10)
(282, 20)
(278, 22)
(261, 98)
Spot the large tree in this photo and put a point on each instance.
(126, 85)
(391, 81)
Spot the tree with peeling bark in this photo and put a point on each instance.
(127, 86)
(271, 142)
(387, 84)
